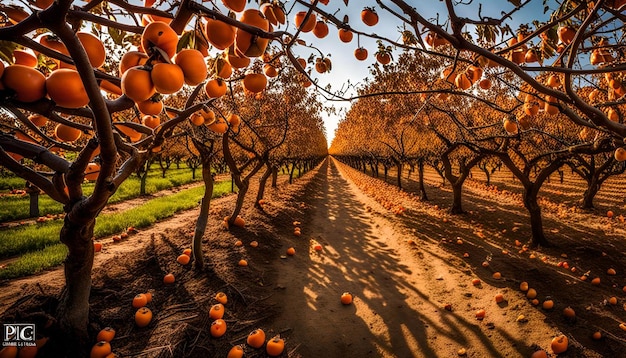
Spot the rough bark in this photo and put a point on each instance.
(73, 309)
(262, 183)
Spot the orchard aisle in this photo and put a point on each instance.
(399, 290)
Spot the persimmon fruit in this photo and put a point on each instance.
(28, 83)
(66, 89)
(256, 338)
(143, 317)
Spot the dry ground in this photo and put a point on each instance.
(400, 288)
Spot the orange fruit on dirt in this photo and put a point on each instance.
(143, 317)
(275, 346)
(291, 251)
(183, 259)
(168, 279)
(97, 246)
(523, 286)
(595, 281)
(243, 263)
(531, 293)
(499, 298)
(612, 300)
(66, 89)
(218, 328)
(480, 314)
(99, 350)
(235, 352)
(559, 344)
(569, 312)
(161, 35)
(346, 298)
(66, 133)
(193, 65)
(239, 221)
(140, 300)
(476, 282)
(219, 34)
(256, 338)
(596, 335)
(137, 84)
(28, 84)
(547, 304)
(216, 311)
(221, 297)
(539, 354)
(106, 334)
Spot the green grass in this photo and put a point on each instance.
(40, 243)
(11, 182)
(17, 207)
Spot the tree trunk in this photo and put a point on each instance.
(593, 186)
(487, 175)
(536, 221)
(457, 197)
(142, 183)
(203, 216)
(33, 195)
(73, 309)
(291, 171)
(420, 181)
(262, 182)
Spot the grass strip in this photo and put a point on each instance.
(40, 243)
(17, 207)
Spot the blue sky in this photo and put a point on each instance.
(346, 67)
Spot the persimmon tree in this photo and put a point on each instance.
(86, 127)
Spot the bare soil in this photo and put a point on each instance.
(403, 269)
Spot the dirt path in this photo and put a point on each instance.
(400, 288)
(400, 292)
